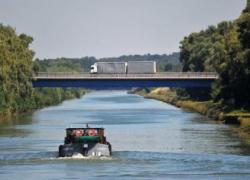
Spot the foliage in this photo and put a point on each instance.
(16, 70)
(47, 96)
(164, 62)
(224, 48)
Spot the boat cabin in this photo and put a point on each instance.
(85, 135)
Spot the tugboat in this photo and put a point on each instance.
(85, 141)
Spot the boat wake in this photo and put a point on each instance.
(22, 158)
(80, 156)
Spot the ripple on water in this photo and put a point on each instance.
(151, 140)
(130, 164)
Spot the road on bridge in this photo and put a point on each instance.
(124, 81)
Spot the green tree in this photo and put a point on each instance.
(226, 50)
(16, 70)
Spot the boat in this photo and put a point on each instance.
(85, 141)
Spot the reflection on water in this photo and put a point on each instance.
(149, 138)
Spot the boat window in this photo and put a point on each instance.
(77, 132)
(92, 132)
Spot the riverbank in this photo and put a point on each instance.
(42, 97)
(239, 118)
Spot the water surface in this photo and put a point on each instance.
(150, 139)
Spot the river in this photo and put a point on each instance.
(150, 140)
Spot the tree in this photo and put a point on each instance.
(226, 50)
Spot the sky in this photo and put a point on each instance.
(110, 28)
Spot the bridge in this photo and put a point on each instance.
(123, 81)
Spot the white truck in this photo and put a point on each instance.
(130, 67)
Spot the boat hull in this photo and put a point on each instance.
(86, 149)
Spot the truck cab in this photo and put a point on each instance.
(93, 68)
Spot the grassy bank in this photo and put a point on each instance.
(42, 97)
(210, 109)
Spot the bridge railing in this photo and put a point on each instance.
(156, 75)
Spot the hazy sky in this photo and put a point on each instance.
(104, 28)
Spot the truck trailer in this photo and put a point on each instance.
(141, 67)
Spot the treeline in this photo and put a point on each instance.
(164, 62)
(224, 48)
(16, 70)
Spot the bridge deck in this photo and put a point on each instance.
(122, 81)
(165, 75)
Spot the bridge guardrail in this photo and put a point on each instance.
(207, 75)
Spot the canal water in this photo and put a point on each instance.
(150, 139)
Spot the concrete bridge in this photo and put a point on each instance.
(124, 81)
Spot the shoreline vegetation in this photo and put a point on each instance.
(47, 97)
(215, 111)
(17, 96)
